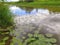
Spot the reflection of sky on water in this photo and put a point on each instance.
(18, 11)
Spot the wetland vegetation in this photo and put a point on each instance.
(10, 34)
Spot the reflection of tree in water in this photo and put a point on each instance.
(28, 9)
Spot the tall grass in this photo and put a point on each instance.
(6, 18)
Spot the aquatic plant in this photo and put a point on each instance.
(39, 39)
(36, 39)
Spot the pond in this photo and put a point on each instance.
(35, 25)
(28, 21)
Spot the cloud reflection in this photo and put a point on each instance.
(18, 11)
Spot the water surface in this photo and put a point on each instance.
(30, 10)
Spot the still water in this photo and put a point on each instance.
(28, 11)
(20, 10)
(25, 27)
(29, 19)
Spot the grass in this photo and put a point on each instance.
(6, 18)
(55, 7)
(50, 5)
(36, 3)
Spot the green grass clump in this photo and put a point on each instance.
(6, 23)
(6, 18)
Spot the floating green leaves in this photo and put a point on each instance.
(2, 41)
(30, 35)
(6, 38)
(15, 40)
(33, 40)
(49, 35)
(39, 39)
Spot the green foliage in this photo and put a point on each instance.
(6, 18)
(2, 41)
(16, 41)
(36, 39)
(39, 39)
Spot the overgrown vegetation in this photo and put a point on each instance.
(6, 18)
(6, 24)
